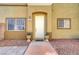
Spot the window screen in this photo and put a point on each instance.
(63, 23)
(16, 24)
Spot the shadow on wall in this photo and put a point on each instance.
(75, 37)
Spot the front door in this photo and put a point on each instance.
(39, 26)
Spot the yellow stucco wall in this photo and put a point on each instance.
(15, 12)
(53, 11)
(38, 8)
(65, 11)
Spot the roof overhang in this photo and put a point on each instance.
(13, 4)
(39, 3)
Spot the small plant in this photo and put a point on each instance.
(46, 33)
(29, 33)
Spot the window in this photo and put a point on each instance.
(15, 24)
(20, 24)
(63, 23)
(11, 23)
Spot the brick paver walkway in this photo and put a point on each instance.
(40, 48)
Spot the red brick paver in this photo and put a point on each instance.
(40, 48)
(66, 47)
(62, 47)
(14, 43)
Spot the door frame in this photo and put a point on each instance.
(33, 21)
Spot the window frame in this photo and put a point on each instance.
(16, 24)
(60, 19)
